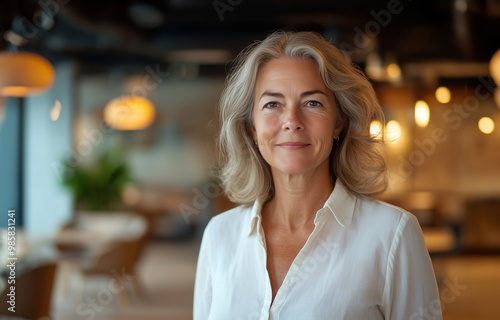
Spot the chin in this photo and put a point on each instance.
(299, 166)
(293, 169)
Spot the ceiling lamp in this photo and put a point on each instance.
(486, 125)
(374, 68)
(376, 129)
(393, 131)
(394, 72)
(495, 67)
(422, 113)
(24, 74)
(129, 113)
(443, 95)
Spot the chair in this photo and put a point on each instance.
(118, 258)
(111, 244)
(33, 293)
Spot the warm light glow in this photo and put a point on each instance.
(393, 71)
(129, 113)
(486, 125)
(422, 113)
(374, 68)
(497, 96)
(461, 6)
(393, 130)
(376, 129)
(24, 74)
(55, 111)
(443, 95)
(495, 67)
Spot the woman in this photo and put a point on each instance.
(308, 241)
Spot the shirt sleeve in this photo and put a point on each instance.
(411, 291)
(203, 281)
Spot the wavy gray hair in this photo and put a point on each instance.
(356, 160)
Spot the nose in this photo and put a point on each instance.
(292, 120)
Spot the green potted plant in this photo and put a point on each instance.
(97, 186)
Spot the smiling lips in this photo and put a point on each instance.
(293, 145)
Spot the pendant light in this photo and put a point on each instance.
(129, 113)
(24, 74)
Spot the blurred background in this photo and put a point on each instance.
(107, 141)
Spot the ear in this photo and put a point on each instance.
(339, 121)
(338, 127)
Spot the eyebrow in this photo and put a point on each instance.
(280, 95)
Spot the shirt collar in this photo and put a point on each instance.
(255, 217)
(340, 204)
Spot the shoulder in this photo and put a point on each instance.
(230, 223)
(386, 218)
(382, 211)
(225, 233)
(231, 217)
(392, 232)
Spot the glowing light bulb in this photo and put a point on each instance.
(495, 67)
(486, 125)
(393, 130)
(376, 129)
(393, 71)
(422, 113)
(443, 95)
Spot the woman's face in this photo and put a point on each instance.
(295, 116)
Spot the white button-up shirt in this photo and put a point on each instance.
(365, 259)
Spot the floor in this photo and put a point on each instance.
(469, 288)
(166, 277)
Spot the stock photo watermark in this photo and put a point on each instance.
(11, 260)
(94, 137)
(40, 20)
(447, 295)
(221, 7)
(454, 117)
(373, 28)
(323, 251)
(201, 200)
(93, 305)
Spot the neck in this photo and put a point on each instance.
(297, 198)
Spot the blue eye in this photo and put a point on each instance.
(313, 104)
(271, 105)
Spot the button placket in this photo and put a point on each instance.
(296, 266)
(293, 271)
(266, 305)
